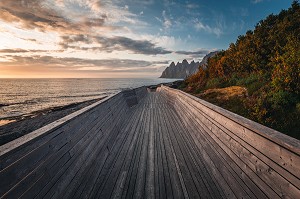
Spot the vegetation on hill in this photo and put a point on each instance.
(266, 62)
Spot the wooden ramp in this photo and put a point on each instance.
(140, 144)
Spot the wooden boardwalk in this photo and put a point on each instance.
(148, 149)
(152, 158)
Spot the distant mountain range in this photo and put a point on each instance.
(185, 69)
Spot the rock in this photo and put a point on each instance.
(180, 70)
(203, 63)
(185, 69)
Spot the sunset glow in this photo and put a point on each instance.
(93, 38)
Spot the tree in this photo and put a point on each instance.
(286, 73)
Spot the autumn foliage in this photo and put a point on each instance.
(267, 62)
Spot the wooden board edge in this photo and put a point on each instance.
(277, 137)
(43, 130)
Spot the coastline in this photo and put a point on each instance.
(15, 127)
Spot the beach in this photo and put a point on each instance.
(17, 126)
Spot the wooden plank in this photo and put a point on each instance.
(77, 181)
(184, 164)
(133, 152)
(178, 187)
(61, 132)
(205, 189)
(120, 187)
(130, 182)
(228, 183)
(233, 160)
(205, 167)
(137, 161)
(55, 171)
(275, 181)
(281, 139)
(59, 144)
(33, 173)
(28, 137)
(84, 187)
(165, 165)
(234, 174)
(116, 171)
(253, 147)
(285, 151)
(158, 171)
(166, 146)
(150, 188)
(266, 179)
(141, 175)
(10, 158)
(113, 131)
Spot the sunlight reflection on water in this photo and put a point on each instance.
(23, 96)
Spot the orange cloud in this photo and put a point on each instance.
(34, 14)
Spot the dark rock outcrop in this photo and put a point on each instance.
(180, 70)
(185, 69)
(203, 63)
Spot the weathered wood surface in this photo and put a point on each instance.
(163, 144)
(248, 155)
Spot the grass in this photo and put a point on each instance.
(231, 98)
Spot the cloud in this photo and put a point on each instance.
(166, 20)
(66, 64)
(197, 52)
(192, 6)
(136, 46)
(65, 17)
(142, 2)
(256, 1)
(199, 26)
(30, 39)
(239, 11)
(19, 50)
(31, 14)
(169, 3)
(113, 11)
(112, 44)
(95, 5)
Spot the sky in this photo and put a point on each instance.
(118, 38)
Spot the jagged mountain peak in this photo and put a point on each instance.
(184, 69)
(181, 70)
(185, 61)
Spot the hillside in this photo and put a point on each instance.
(266, 61)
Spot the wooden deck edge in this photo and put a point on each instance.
(277, 137)
(49, 127)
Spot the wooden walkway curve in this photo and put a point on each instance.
(141, 144)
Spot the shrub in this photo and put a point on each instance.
(281, 99)
(214, 83)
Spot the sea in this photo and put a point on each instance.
(23, 96)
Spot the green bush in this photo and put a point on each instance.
(214, 83)
(282, 99)
(232, 81)
(250, 79)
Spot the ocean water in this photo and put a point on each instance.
(24, 96)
